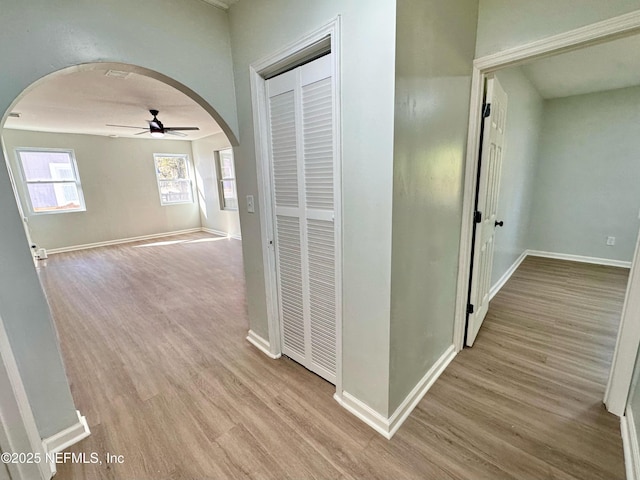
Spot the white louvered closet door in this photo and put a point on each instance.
(300, 110)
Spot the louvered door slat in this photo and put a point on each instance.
(317, 113)
(321, 248)
(303, 183)
(290, 283)
(284, 149)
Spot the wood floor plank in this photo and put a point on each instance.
(153, 338)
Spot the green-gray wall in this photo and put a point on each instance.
(190, 44)
(211, 215)
(259, 28)
(119, 185)
(586, 187)
(504, 24)
(434, 53)
(524, 120)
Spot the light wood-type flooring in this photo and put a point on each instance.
(153, 337)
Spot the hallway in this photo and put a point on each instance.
(153, 337)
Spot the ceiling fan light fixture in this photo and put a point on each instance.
(157, 134)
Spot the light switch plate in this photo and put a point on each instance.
(611, 241)
(251, 208)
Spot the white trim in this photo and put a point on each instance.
(507, 275)
(580, 258)
(630, 445)
(23, 430)
(316, 41)
(559, 256)
(212, 231)
(187, 162)
(627, 344)
(66, 438)
(25, 183)
(365, 413)
(119, 241)
(420, 390)
(217, 3)
(261, 344)
(387, 427)
(600, 32)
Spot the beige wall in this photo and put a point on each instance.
(504, 24)
(72, 33)
(211, 215)
(259, 28)
(119, 185)
(434, 51)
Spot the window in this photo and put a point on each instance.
(174, 183)
(51, 179)
(226, 180)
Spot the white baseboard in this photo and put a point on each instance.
(559, 256)
(580, 258)
(364, 412)
(420, 390)
(221, 233)
(119, 241)
(261, 344)
(630, 445)
(387, 427)
(507, 275)
(67, 437)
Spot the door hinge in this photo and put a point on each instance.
(486, 110)
(470, 308)
(477, 217)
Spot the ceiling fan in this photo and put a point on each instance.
(157, 129)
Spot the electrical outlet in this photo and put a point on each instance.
(251, 208)
(611, 241)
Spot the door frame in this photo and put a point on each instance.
(23, 436)
(596, 33)
(321, 40)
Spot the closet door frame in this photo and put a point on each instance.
(325, 39)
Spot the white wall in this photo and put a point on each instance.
(524, 120)
(504, 24)
(435, 45)
(259, 28)
(119, 185)
(211, 215)
(190, 44)
(587, 180)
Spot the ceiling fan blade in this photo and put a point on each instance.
(180, 128)
(172, 132)
(142, 133)
(126, 126)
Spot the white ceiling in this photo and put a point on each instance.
(86, 101)
(607, 66)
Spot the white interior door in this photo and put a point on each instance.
(487, 207)
(303, 165)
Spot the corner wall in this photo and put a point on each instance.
(586, 187)
(119, 185)
(260, 28)
(434, 54)
(211, 215)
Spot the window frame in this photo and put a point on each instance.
(189, 180)
(76, 181)
(221, 179)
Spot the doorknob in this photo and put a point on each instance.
(499, 224)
